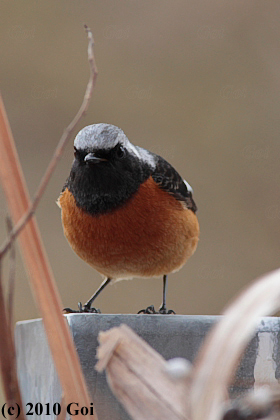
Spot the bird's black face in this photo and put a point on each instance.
(103, 179)
(115, 157)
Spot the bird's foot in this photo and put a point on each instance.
(82, 309)
(150, 310)
(164, 311)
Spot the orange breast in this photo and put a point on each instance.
(152, 234)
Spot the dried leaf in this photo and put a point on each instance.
(139, 377)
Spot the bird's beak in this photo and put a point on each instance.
(91, 158)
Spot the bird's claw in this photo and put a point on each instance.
(88, 309)
(82, 309)
(150, 310)
(165, 311)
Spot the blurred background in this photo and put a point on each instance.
(197, 82)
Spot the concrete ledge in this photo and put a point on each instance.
(172, 336)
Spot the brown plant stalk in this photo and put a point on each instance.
(8, 357)
(40, 275)
(12, 277)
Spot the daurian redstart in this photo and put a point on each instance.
(126, 211)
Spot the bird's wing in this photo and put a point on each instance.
(169, 180)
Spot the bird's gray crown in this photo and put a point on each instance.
(99, 136)
(107, 136)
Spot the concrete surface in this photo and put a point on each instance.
(171, 336)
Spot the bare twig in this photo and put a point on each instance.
(7, 357)
(59, 149)
(12, 276)
(40, 274)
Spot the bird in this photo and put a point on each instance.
(126, 211)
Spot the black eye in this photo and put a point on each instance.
(75, 151)
(120, 152)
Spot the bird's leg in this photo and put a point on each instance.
(87, 306)
(102, 286)
(162, 310)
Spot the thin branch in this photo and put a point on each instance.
(12, 277)
(40, 274)
(59, 149)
